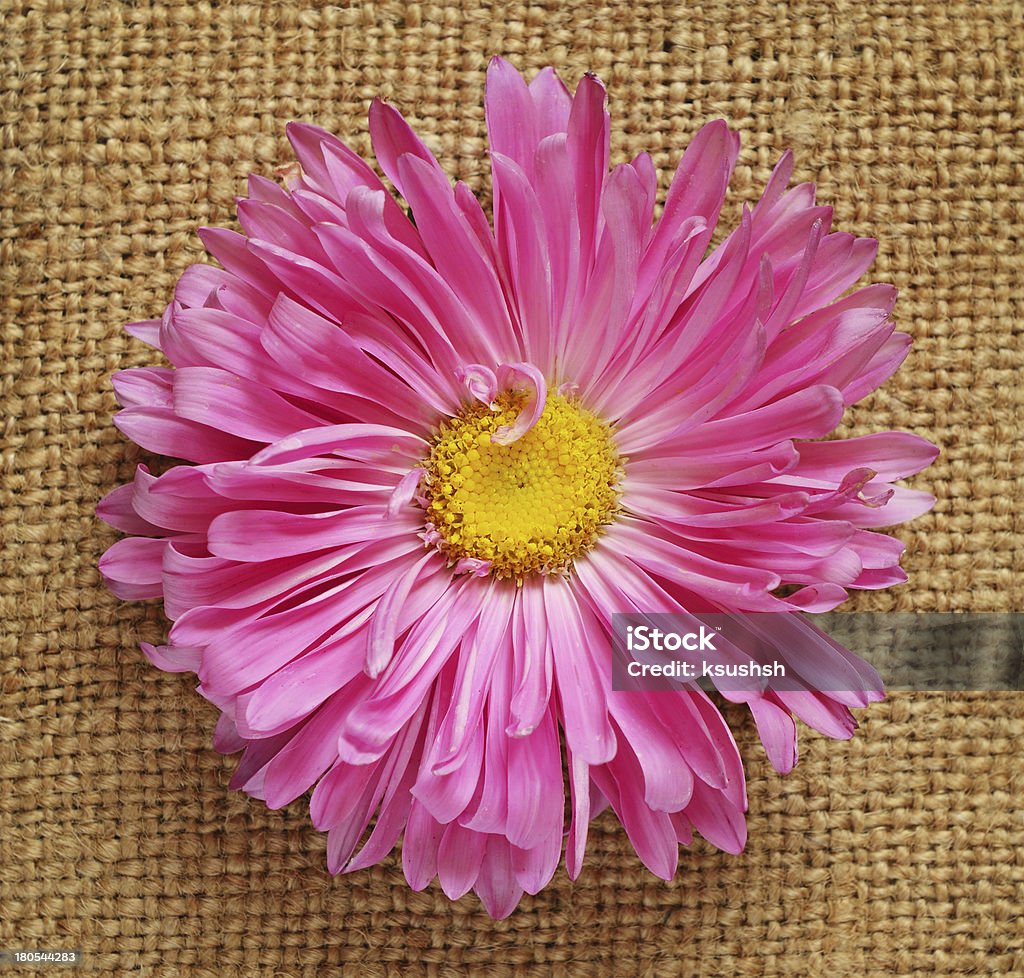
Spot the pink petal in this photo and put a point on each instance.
(667, 780)
(891, 454)
(459, 256)
(575, 642)
(208, 286)
(735, 468)
(191, 582)
(419, 849)
(820, 711)
(519, 231)
(521, 376)
(576, 842)
(251, 768)
(405, 491)
(602, 314)
(384, 625)
(322, 289)
(391, 276)
(511, 114)
(116, 509)
(400, 770)
(777, 731)
(210, 337)
(651, 833)
(132, 568)
(308, 754)
(158, 430)
(532, 662)
(413, 670)
(552, 102)
(301, 686)
(172, 658)
(146, 330)
(271, 642)
(904, 505)
(144, 387)
(496, 883)
(474, 669)
(697, 188)
(392, 139)
(236, 406)
(258, 535)
(232, 250)
(536, 794)
(480, 381)
(225, 737)
(717, 819)
(308, 142)
(588, 144)
(459, 858)
(558, 238)
(379, 445)
(489, 809)
(180, 500)
(810, 413)
(268, 222)
(535, 866)
(879, 368)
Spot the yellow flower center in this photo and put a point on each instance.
(534, 505)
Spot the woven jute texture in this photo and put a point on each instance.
(127, 125)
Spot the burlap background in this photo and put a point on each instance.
(126, 125)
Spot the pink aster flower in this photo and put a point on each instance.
(433, 456)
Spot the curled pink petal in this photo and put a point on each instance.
(474, 566)
(480, 381)
(522, 376)
(404, 491)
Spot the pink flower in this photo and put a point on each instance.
(432, 458)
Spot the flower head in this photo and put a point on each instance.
(433, 457)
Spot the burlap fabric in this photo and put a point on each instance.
(127, 125)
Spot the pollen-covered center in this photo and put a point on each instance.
(533, 505)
